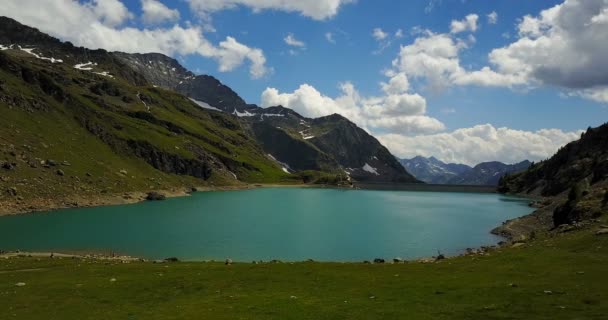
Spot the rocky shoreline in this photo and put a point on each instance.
(86, 201)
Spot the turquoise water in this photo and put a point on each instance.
(289, 224)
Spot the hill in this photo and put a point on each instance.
(574, 183)
(81, 122)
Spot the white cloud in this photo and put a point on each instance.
(397, 111)
(481, 143)
(599, 94)
(433, 57)
(155, 12)
(329, 36)
(397, 84)
(110, 12)
(315, 9)
(89, 24)
(469, 23)
(291, 40)
(379, 34)
(565, 46)
(492, 17)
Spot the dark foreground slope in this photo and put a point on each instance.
(574, 183)
(561, 276)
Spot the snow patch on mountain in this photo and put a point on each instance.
(31, 51)
(370, 169)
(284, 166)
(105, 74)
(204, 105)
(85, 66)
(243, 114)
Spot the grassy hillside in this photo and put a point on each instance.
(104, 135)
(511, 283)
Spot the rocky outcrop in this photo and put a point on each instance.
(362, 155)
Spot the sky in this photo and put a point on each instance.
(465, 81)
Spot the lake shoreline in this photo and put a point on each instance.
(29, 206)
(137, 197)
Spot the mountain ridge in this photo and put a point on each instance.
(432, 170)
(121, 133)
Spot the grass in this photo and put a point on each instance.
(553, 277)
(56, 131)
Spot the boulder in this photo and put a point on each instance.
(228, 262)
(172, 259)
(155, 196)
(378, 260)
(60, 172)
(51, 162)
(8, 166)
(12, 191)
(601, 232)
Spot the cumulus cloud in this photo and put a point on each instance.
(563, 46)
(480, 144)
(492, 17)
(155, 12)
(89, 24)
(315, 9)
(329, 36)
(110, 12)
(431, 56)
(396, 111)
(469, 23)
(291, 40)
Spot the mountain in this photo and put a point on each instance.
(79, 124)
(488, 173)
(432, 170)
(331, 143)
(575, 180)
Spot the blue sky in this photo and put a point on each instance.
(531, 83)
(324, 65)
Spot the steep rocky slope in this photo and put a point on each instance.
(574, 182)
(331, 144)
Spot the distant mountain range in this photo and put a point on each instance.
(432, 170)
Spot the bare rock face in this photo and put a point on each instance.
(155, 196)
